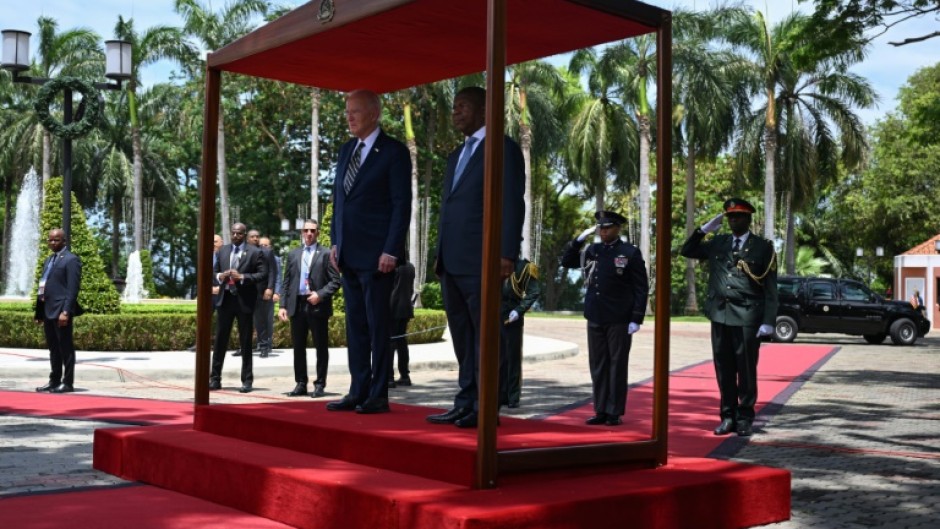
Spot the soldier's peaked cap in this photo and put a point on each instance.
(738, 205)
(609, 218)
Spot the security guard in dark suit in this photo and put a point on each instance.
(614, 306)
(741, 304)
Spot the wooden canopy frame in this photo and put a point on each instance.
(409, 42)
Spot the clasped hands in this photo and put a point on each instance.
(232, 274)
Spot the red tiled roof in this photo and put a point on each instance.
(927, 247)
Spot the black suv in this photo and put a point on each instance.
(817, 304)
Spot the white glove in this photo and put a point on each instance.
(513, 316)
(632, 328)
(765, 330)
(713, 225)
(585, 233)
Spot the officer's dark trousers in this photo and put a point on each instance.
(510, 364)
(302, 324)
(735, 350)
(608, 355)
(400, 346)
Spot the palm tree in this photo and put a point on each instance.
(154, 44)
(215, 30)
(805, 102)
(770, 51)
(706, 92)
(529, 91)
(602, 137)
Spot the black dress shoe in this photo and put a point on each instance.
(215, 385)
(450, 416)
(373, 406)
(237, 353)
(62, 388)
(726, 427)
(299, 390)
(614, 420)
(404, 381)
(347, 403)
(245, 389)
(265, 353)
(318, 390)
(391, 383)
(513, 405)
(48, 387)
(600, 418)
(467, 421)
(745, 429)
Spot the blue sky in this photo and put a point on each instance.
(886, 67)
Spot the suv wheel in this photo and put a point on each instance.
(785, 330)
(875, 339)
(903, 332)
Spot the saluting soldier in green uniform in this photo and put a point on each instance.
(742, 306)
(520, 291)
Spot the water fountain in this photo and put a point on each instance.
(24, 242)
(134, 288)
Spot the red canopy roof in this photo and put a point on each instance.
(395, 44)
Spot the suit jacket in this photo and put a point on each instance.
(403, 290)
(62, 286)
(270, 262)
(253, 267)
(615, 279)
(324, 279)
(460, 230)
(373, 218)
(736, 297)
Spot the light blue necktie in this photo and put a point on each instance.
(464, 160)
(45, 275)
(305, 270)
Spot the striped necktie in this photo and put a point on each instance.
(353, 168)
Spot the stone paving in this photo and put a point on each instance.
(861, 437)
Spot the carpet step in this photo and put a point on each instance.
(301, 490)
(400, 441)
(313, 492)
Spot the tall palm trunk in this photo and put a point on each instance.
(791, 231)
(115, 238)
(223, 185)
(599, 191)
(414, 224)
(691, 300)
(525, 133)
(315, 154)
(770, 158)
(644, 192)
(138, 167)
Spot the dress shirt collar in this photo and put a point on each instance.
(367, 145)
(742, 237)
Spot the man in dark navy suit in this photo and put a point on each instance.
(460, 243)
(371, 211)
(240, 270)
(56, 306)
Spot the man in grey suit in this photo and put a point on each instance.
(460, 243)
(56, 306)
(241, 271)
(371, 212)
(307, 300)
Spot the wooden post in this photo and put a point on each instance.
(207, 183)
(663, 235)
(486, 471)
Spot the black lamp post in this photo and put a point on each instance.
(879, 252)
(117, 67)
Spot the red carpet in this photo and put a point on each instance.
(91, 408)
(298, 464)
(140, 507)
(693, 398)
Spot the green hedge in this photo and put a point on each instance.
(172, 331)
